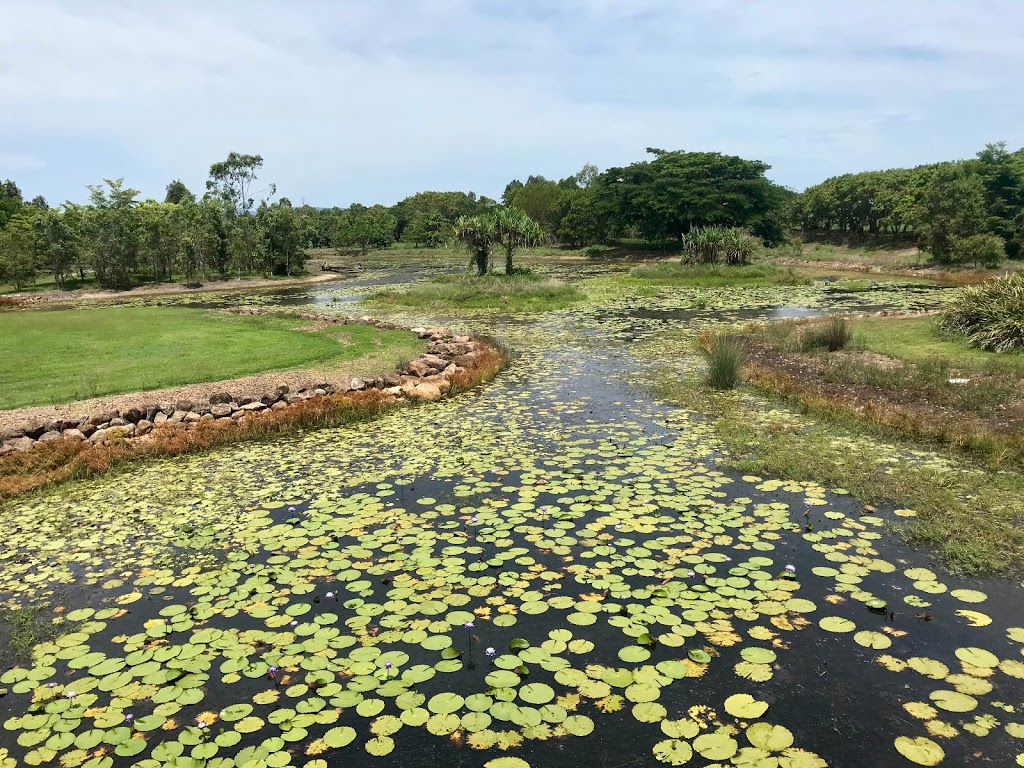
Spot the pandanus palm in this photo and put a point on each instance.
(514, 229)
(478, 233)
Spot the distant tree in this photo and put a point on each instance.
(514, 230)
(1002, 176)
(582, 220)
(56, 244)
(427, 229)
(39, 203)
(983, 250)
(232, 180)
(177, 193)
(666, 197)
(113, 233)
(366, 228)
(283, 245)
(17, 253)
(951, 206)
(10, 201)
(538, 199)
(508, 197)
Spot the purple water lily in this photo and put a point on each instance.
(490, 653)
(468, 625)
(791, 568)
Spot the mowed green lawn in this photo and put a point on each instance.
(916, 339)
(57, 356)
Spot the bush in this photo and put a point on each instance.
(711, 245)
(988, 251)
(990, 315)
(725, 356)
(833, 335)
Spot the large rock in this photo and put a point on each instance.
(220, 410)
(73, 434)
(434, 361)
(191, 417)
(177, 417)
(183, 405)
(49, 437)
(99, 435)
(167, 408)
(21, 444)
(356, 384)
(160, 417)
(134, 415)
(418, 368)
(102, 418)
(144, 427)
(10, 434)
(427, 391)
(218, 398)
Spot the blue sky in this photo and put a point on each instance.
(372, 100)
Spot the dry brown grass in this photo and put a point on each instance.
(50, 463)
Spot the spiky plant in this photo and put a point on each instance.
(989, 315)
(514, 229)
(479, 234)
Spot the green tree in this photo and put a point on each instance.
(983, 250)
(17, 253)
(282, 229)
(113, 233)
(56, 244)
(478, 234)
(951, 206)
(366, 228)
(10, 201)
(177, 192)
(514, 230)
(233, 181)
(538, 198)
(582, 220)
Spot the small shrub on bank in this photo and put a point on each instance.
(832, 335)
(725, 356)
(989, 315)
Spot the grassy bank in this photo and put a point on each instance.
(50, 463)
(717, 275)
(970, 517)
(899, 378)
(508, 293)
(64, 355)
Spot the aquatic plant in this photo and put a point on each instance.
(725, 357)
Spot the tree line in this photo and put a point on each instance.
(969, 210)
(960, 211)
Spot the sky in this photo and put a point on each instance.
(373, 100)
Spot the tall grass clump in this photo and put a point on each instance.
(833, 335)
(714, 245)
(725, 356)
(989, 315)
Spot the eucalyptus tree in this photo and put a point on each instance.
(56, 244)
(233, 180)
(17, 253)
(113, 234)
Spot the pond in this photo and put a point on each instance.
(554, 568)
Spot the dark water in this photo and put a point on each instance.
(573, 410)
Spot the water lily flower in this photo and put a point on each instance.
(272, 673)
(728, 559)
(329, 595)
(618, 526)
(388, 665)
(490, 652)
(291, 510)
(791, 568)
(293, 623)
(472, 520)
(691, 574)
(51, 685)
(201, 724)
(129, 717)
(468, 625)
(71, 694)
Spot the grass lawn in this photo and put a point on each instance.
(63, 355)
(916, 340)
(509, 293)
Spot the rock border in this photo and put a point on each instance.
(425, 378)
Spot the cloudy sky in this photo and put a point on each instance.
(372, 100)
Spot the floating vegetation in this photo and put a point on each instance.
(553, 566)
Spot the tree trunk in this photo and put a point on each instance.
(481, 262)
(508, 259)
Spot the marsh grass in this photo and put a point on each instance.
(832, 335)
(725, 357)
(971, 517)
(50, 463)
(22, 629)
(718, 275)
(520, 291)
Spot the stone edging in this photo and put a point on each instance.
(426, 377)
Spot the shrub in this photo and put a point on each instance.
(711, 245)
(986, 251)
(596, 251)
(990, 315)
(833, 335)
(725, 356)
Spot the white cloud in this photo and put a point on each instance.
(372, 101)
